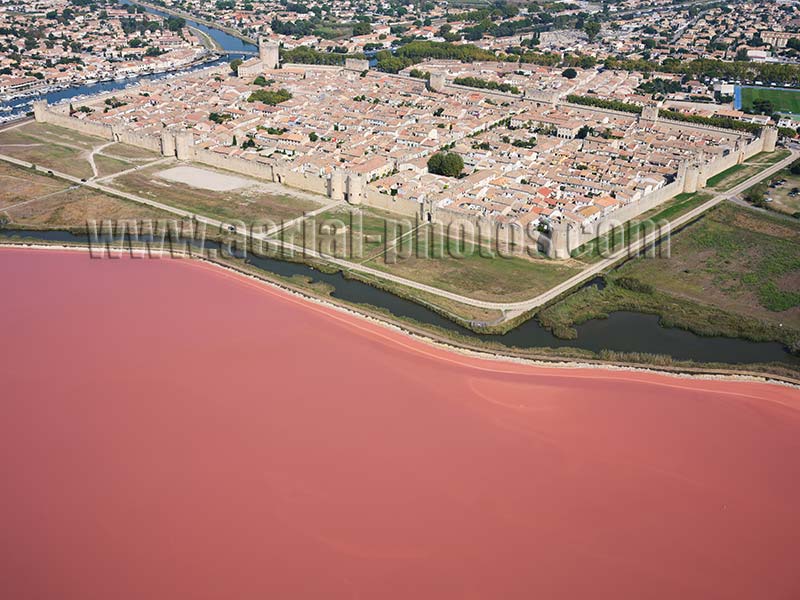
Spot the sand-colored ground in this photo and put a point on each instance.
(204, 179)
(236, 441)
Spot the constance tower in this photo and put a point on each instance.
(269, 53)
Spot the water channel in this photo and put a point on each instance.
(623, 331)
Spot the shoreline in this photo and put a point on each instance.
(208, 42)
(189, 17)
(199, 64)
(430, 339)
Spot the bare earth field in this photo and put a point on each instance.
(33, 200)
(251, 203)
(204, 179)
(130, 153)
(69, 152)
(19, 185)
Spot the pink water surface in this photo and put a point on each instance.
(172, 431)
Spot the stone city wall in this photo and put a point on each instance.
(125, 136)
(236, 164)
(376, 199)
(348, 186)
(44, 114)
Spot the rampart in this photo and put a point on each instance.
(343, 185)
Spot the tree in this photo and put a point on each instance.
(755, 195)
(220, 117)
(762, 106)
(591, 28)
(448, 164)
(569, 73)
(362, 29)
(235, 64)
(175, 23)
(270, 97)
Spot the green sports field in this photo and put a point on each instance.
(783, 101)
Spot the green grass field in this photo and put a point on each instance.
(734, 272)
(784, 101)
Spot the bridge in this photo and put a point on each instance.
(237, 52)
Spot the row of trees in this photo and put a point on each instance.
(724, 122)
(328, 29)
(418, 50)
(736, 70)
(131, 25)
(603, 103)
(309, 56)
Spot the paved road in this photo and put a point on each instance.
(510, 309)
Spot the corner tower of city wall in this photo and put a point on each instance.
(770, 135)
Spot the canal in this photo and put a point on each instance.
(232, 46)
(621, 332)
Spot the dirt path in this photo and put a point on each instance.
(107, 178)
(49, 195)
(90, 157)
